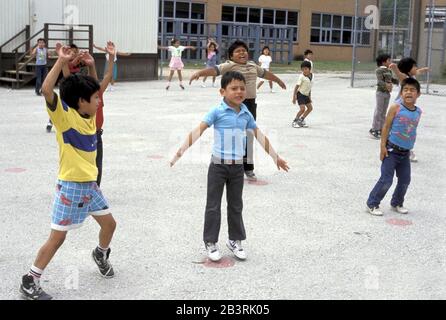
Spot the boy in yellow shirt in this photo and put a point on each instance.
(77, 194)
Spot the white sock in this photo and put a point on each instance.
(35, 272)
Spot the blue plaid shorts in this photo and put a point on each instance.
(74, 202)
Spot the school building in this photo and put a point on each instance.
(137, 26)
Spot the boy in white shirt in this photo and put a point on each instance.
(265, 61)
(302, 94)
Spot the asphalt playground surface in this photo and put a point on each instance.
(309, 236)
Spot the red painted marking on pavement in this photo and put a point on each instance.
(399, 222)
(257, 183)
(155, 157)
(15, 170)
(225, 262)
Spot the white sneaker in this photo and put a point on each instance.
(375, 211)
(400, 209)
(212, 250)
(413, 157)
(237, 249)
(203, 85)
(272, 91)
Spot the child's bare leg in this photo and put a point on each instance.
(301, 111)
(172, 72)
(213, 79)
(108, 227)
(260, 84)
(49, 249)
(271, 85)
(180, 76)
(204, 79)
(309, 109)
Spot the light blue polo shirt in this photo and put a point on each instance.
(230, 130)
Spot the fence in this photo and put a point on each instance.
(408, 29)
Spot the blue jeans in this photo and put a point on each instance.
(398, 162)
(41, 72)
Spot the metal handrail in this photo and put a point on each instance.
(13, 38)
(27, 40)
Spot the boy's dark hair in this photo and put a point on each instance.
(382, 58)
(406, 64)
(76, 87)
(73, 46)
(41, 39)
(411, 82)
(307, 52)
(235, 45)
(306, 64)
(173, 41)
(229, 76)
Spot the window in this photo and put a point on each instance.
(241, 15)
(168, 9)
(337, 29)
(285, 18)
(197, 12)
(280, 17)
(182, 10)
(437, 16)
(227, 14)
(268, 16)
(254, 15)
(292, 18)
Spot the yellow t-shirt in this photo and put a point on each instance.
(77, 141)
(249, 70)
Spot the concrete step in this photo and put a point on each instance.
(11, 80)
(29, 64)
(24, 73)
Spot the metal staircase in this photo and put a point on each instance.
(22, 71)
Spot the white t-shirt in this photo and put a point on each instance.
(265, 61)
(304, 84)
(176, 52)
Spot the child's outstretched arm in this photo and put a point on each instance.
(190, 140)
(111, 50)
(88, 60)
(163, 48)
(209, 72)
(65, 55)
(264, 142)
(401, 76)
(190, 47)
(386, 130)
(423, 70)
(99, 48)
(272, 77)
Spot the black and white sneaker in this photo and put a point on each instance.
(31, 290)
(374, 134)
(237, 249)
(295, 124)
(49, 127)
(101, 260)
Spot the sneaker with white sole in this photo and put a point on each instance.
(413, 157)
(212, 250)
(375, 211)
(400, 209)
(31, 290)
(236, 248)
(104, 265)
(251, 176)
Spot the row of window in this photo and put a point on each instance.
(325, 28)
(435, 15)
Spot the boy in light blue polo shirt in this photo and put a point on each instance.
(231, 120)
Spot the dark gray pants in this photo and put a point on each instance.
(382, 104)
(232, 176)
(249, 151)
